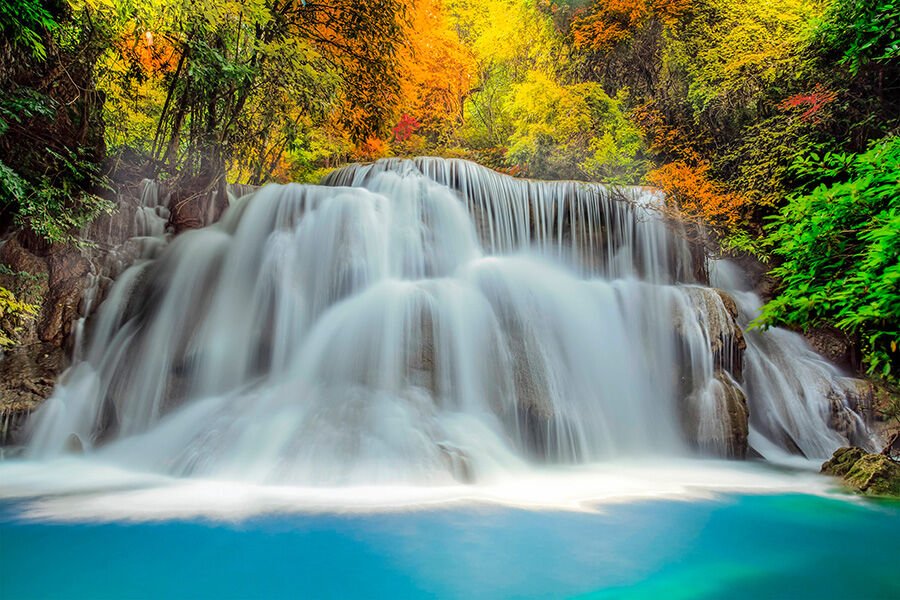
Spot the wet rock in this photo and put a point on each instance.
(197, 204)
(892, 447)
(832, 344)
(718, 313)
(869, 474)
(541, 430)
(68, 277)
(27, 377)
(851, 409)
(714, 413)
(735, 402)
(716, 419)
(761, 281)
(457, 462)
(421, 353)
(74, 445)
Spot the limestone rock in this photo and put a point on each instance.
(716, 419)
(850, 401)
(196, 204)
(68, 270)
(738, 417)
(842, 461)
(892, 447)
(718, 313)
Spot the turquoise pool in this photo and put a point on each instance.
(736, 546)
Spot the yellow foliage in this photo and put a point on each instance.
(13, 315)
(733, 50)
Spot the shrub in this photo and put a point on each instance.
(840, 245)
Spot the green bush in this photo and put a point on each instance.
(51, 197)
(24, 23)
(840, 246)
(860, 31)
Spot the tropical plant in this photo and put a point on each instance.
(839, 242)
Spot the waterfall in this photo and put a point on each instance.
(801, 402)
(430, 321)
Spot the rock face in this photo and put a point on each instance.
(716, 418)
(853, 396)
(714, 390)
(718, 314)
(832, 344)
(196, 204)
(738, 416)
(68, 282)
(68, 276)
(869, 474)
(27, 377)
(53, 277)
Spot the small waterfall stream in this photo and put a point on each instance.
(433, 321)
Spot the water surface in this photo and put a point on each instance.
(734, 546)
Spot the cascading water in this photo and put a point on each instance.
(799, 400)
(425, 321)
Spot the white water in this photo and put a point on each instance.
(389, 329)
(797, 395)
(73, 489)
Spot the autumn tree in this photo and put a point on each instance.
(436, 73)
(245, 79)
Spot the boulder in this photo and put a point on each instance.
(869, 474)
(842, 461)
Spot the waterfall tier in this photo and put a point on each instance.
(431, 320)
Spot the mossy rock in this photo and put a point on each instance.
(870, 474)
(875, 475)
(842, 461)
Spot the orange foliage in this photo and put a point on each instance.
(662, 137)
(690, 191)
(437, 70)
(608, 22)
(371, 149)
(154, 54)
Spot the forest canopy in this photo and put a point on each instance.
(773, 122)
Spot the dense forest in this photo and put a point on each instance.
(773, 122)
